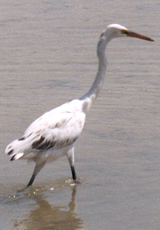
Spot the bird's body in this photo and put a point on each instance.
(54, 133)
(55, 129)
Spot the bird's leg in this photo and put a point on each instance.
(74, 177)
(37, 169)
(70, 156)
(73, 173)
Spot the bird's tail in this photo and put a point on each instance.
(15, 149)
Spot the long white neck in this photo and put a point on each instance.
(93, 92)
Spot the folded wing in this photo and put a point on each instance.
(54, 129)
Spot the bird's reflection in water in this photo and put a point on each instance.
(47, 217)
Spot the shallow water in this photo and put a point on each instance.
(48, 56)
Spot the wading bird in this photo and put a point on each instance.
(53, 135)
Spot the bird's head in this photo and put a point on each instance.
(116, 30)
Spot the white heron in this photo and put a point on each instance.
(53, 135)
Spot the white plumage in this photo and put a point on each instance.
(53, 134)
(55, 129)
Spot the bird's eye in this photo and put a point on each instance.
(123, 31)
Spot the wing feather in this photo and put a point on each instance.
(54, 129)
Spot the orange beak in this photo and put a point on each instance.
(135, 35)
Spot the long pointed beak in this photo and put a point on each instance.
(135, 35)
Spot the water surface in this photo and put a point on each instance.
(48, 56)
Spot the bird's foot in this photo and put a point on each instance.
(22, 190)
(72, 182)
(76, 181)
